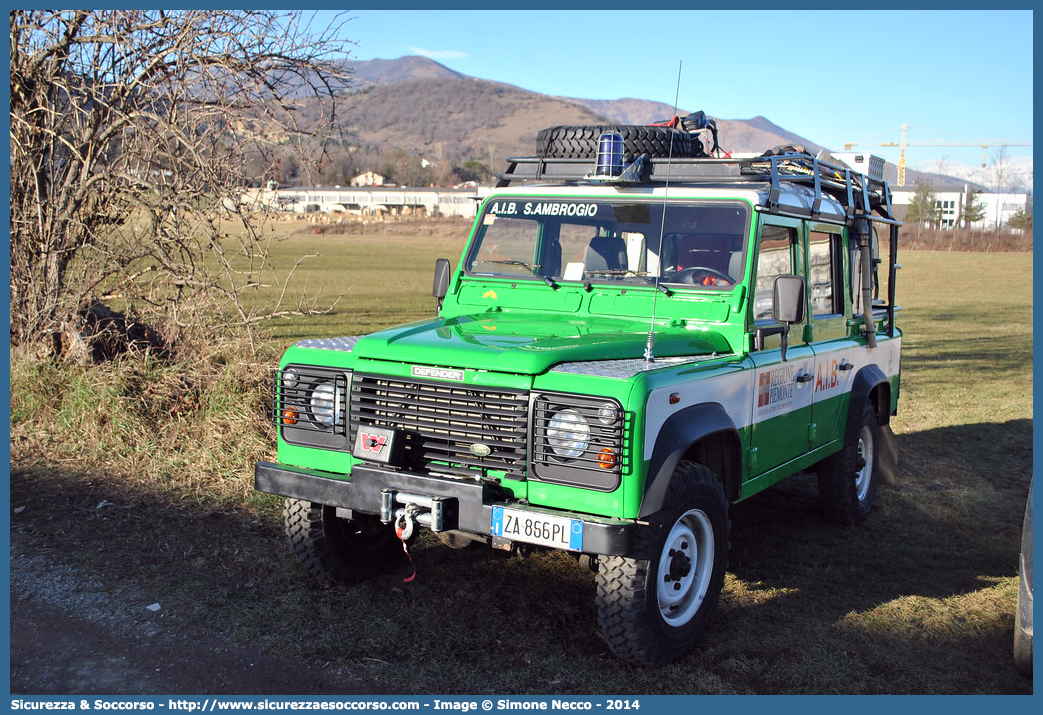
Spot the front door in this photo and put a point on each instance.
(782, 389)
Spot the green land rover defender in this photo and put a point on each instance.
(637, 335)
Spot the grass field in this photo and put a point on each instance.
(378, 278)
(918, 600)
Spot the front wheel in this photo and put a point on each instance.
(847, 479)
(654, 606)
(338, 550)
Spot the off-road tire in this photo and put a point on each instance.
(630, 588)
(339, 551)
(1022, 640)
(846, 480)
(1023, 611)
(459, 540)
(581, 141)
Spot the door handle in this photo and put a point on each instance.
(804, 376)
(845, 366)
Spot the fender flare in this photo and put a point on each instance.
(680, 431)
(868, 379)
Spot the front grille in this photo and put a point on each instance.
(440, 424)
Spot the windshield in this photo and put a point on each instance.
(618, 241)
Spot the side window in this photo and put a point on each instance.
(775, 258)
(824, 273)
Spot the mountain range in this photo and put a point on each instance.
(417, 106)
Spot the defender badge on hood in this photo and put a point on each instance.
(440, 373)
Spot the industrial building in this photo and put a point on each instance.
(998, 207)
(463, 202)
(374, 201)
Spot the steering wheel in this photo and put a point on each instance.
(687, 275)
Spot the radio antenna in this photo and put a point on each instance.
(650, 345)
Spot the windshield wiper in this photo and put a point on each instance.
(637, 274)
(533, 269)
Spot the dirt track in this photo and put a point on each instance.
(72, 635)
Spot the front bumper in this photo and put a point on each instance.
(470, 504)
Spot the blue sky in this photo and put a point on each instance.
(830, 76)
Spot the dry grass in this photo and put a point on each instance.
(919, 600)
(1005, 240)
(186, 429)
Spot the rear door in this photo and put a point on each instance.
(835, 351)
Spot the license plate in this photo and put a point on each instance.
(559, 532)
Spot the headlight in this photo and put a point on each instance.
(608, 414)
(579, 441)
(568, 434)
(311, 406)
(325, 404)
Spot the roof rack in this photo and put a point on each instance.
(857, 193)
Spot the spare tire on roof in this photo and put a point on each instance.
(786, 149)
(581, 141)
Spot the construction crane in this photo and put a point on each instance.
(984, 144)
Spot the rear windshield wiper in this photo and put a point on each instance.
(637, 274)
(534, 270)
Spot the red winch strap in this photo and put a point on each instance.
(405, 547)
(673, 123)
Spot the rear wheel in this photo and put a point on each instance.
(654, 606)
(337, 550)
(847, 479)
(1023, 614)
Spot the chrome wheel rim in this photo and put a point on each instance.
(864, 475)
(685, 567)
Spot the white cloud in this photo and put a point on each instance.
(439, 54)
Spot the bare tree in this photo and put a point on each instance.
(131, 134)
(999, 169)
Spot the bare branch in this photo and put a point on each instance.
(134, 132)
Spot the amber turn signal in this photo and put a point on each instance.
(606, 458)
(289, 416)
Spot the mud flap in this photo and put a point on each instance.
(888, 463)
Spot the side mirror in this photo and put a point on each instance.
(440, 288)
(788, 299)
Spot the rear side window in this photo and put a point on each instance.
(824, 272)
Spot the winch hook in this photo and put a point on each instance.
(404, 525)
(404, 529)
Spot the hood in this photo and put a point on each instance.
(529, 344)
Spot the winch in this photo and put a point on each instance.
(416, 509)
